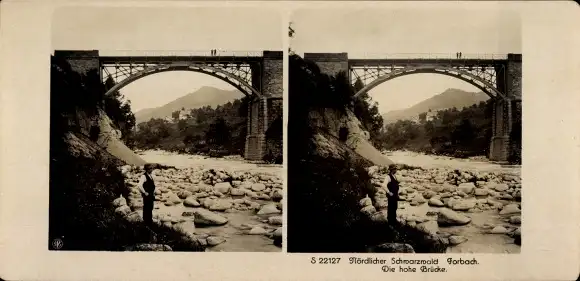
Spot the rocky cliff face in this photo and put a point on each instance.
(98, 127)
(332, 125)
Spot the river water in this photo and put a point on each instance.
(434, 161)
(478, 240)
(235, 231)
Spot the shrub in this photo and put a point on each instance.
(81, 213)
(324, 192)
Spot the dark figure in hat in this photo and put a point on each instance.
(147, 188)
(392, 185)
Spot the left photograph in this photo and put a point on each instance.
(166, 129)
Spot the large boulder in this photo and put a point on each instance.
(123, 210)
(221, 205)
(499, 187)
(275, 220)
(456, 239)
(435, 202)
(257, 230)
(276, 195)
(119, 202)
(182, 194)
(206, 217)
(448, 217)
(258, 187)
(429, 227)
(268, 209)
(172, 199)
(215, 240)
(510, 209)
(467, 187)
(499, 230)
(463, 205)
(191, 202)
(223, 187)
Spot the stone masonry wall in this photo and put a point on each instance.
(81, 61)
(514, 76)
(272, 74)
(329, 63)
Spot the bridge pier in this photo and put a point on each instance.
(268, 78)
(507, 114)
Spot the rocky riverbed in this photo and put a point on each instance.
(232, 207)
(471, 210)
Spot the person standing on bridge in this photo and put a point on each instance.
(147, 187)
(391, 184)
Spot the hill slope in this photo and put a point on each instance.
(203, 97)
(448, 99)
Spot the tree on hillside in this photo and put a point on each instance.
(119, 110)
(175, 115)
(218, 133)
(367, 112)
(423, 117)
(454, 132)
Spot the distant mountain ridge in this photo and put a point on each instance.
(448, 99)
(204, 96)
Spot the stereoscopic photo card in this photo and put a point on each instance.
(297, 140)
(419, 125)
(170, 122)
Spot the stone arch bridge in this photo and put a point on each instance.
(499, 76)
(256, 74)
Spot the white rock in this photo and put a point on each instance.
(215, 240)
(435, 202)
(456, 239)
(220, 205)
(123, 210)
(191, 202)
(205, 217)
(237, 192)
(467, 187)
(365, 202)
(258, 230)
(277, 233)
(268, 209)
(510, 209)
(368, 210)
(120, 201)
(448, 217)
(500, 187)
(223, 187)
(463, 205)
(499, 230)
(429, 227)
(258, 187)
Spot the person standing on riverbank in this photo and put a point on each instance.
(391, 184)
(147, 187)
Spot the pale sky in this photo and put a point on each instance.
(116, 31)
(375, 33)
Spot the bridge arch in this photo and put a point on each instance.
(219, 73)
(461, 74)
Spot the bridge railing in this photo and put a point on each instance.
(446, 56)
(181, 53)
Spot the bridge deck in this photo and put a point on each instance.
(166, 59)
(455, 62)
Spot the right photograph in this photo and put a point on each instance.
(404, 131)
